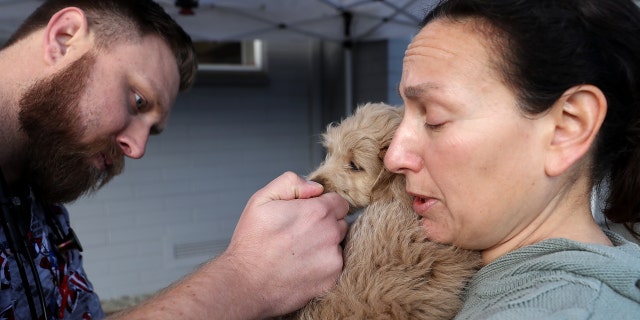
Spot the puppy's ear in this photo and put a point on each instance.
(382, 153)
(382, 187)
(389, 186)
(392, 118)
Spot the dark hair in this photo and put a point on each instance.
(113, 21)
(549, 46)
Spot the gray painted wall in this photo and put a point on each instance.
(177, 207)
(377, 71)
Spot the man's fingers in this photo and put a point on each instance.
(339, 203)
(289, 186)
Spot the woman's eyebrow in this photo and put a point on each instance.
(412, 92)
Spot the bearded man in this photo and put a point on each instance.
(84, 85)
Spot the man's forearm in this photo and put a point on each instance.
(218, 290)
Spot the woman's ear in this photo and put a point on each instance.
(67, 29)
(577, 116)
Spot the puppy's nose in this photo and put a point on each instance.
(319, 179)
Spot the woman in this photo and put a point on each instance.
(515, 110)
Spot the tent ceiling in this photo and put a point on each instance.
(247, 19)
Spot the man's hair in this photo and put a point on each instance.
(114, 21)
(544, 47)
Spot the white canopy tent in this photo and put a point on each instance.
(343, 21)
(335, 20)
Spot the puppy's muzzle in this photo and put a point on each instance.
(321, 180)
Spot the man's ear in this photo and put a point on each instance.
(577, 116)
(67, 29)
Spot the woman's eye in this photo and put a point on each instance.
(434, 126)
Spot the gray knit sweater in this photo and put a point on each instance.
(559, 279)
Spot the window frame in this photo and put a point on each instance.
(253, 56)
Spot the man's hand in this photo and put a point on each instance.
(285, 251)
(287, 242)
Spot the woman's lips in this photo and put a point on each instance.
(422, 204)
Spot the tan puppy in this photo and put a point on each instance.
(391, 270)
(355, 150)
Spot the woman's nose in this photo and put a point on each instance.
(402, 155)
(133, 140)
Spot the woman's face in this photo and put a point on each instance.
(473, 162)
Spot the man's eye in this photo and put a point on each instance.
(139, 102)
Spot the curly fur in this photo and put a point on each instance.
(391, 270)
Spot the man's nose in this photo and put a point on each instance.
(133, 140)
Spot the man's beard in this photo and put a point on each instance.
(58, 167)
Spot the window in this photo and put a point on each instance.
(230, 56)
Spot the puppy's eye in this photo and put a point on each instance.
(353, 166)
